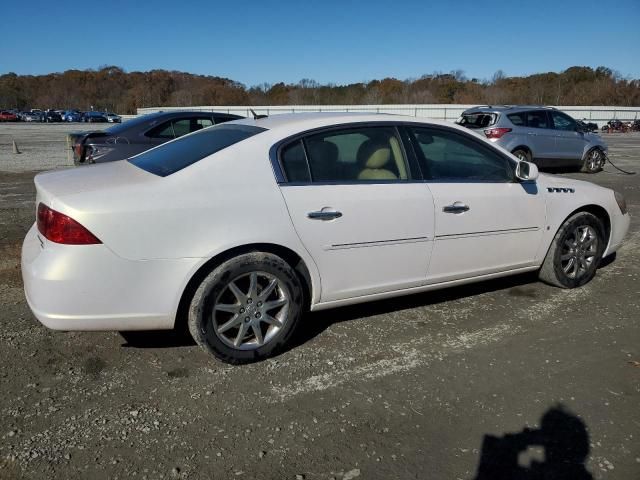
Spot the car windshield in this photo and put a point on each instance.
(178, 154)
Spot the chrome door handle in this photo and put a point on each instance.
(456, 207)
(324, 215)
(532, 134)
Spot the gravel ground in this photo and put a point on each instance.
(408, 388)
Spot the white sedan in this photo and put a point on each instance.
(236, 230)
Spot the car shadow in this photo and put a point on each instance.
(315, 323)
(318, 322)
(556, 450)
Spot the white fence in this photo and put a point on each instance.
(595, 114)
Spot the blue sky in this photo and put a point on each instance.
(328, 41)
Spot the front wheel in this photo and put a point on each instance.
(575, 252)
(247, 308)
(593, 162)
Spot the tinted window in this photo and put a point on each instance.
(164, 130)
(518, 119)
(294, 162)
(452, 157)
(562, 121)
(538, 119)
(202, 123)
(356, 154)
(477, 120)
(173, 156)
(181, 127)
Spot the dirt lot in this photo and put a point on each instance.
(408, 388)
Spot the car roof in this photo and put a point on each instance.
(505, 108)
(299, 122)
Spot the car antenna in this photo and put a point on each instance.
(256, 116)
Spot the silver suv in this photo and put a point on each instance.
(543, 135)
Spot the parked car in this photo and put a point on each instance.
(93, 117)
(71, 116)
(587, 126)
(6, 116)
(32, 117)
(139, 134)
(614, 125)
(237, 229)
(542, 135)
(51, 116)
(112, 117)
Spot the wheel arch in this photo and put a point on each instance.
(291, 257)
(523, 147)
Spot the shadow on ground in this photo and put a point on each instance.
(561, 446)
(317, 322)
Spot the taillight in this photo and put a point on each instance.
(496, 132)
(77, 151)
(60, 228)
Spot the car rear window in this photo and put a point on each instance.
(174, 156)
(477, 119)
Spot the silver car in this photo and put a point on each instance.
(543, 135)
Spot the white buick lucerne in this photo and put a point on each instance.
(239, 228)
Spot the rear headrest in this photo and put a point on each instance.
(374, 154)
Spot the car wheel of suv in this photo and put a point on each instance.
(522, 154)
(247, 308)
(575, 252)
(593, 162)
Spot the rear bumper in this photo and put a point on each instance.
(88, 287)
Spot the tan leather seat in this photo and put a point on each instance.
(374, 156)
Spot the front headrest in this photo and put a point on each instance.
(374, 154)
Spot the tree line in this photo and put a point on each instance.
(112, 88)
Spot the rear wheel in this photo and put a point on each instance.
(593, 162)
(575, 253)
(522, 154)
(247, 308)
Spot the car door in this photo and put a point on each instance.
(359, 209)
(485, 220)
(569, 141)
(541, 137)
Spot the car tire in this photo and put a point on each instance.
(575, 252)
(593, 161)
(522, 154)
(247, 308)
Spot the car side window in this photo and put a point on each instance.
(452, 157)
(182, 127)
(351, 155)
(563, 122)
(203, 123)
(538, 119)
(518, 119)
(294, 162)
(164, 130)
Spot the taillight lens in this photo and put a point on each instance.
(496, 132)
(60, 228)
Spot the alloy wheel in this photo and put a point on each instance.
(579, 251)
(250, 310)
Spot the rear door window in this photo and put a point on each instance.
(174, 156)
(518, 119)
(164, 130)
(538, 119)
(367, 154)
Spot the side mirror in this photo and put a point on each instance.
(526, 171)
